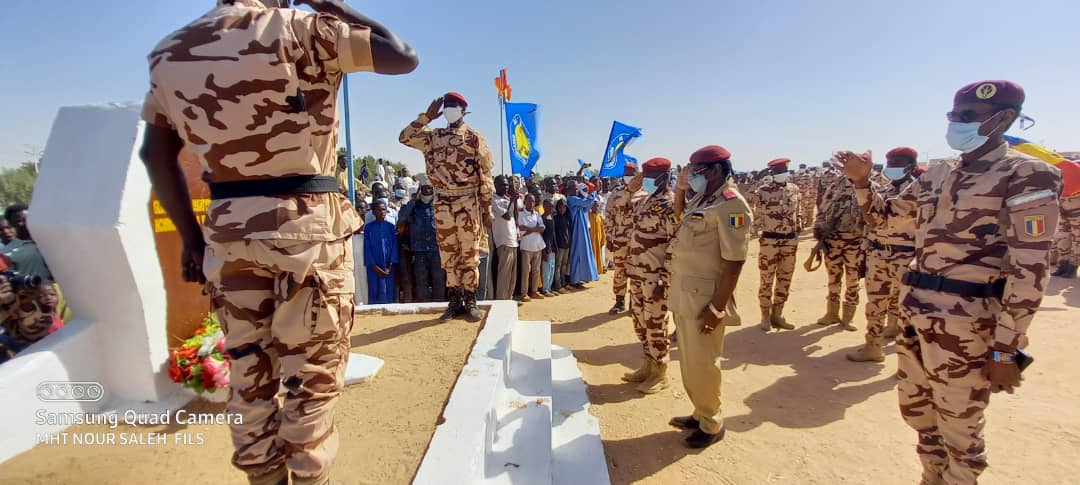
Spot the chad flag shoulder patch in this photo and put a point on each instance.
(1035, 226)
(737, 219)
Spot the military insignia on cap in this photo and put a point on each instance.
(656, 209)
(985, 91)
(737, 219)
(1035, 226)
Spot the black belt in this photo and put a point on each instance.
(299, 184)
(928, 281)
(779, 235)
(891, 247)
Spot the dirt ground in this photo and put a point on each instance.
(797, 412)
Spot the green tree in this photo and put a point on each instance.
(17, 184)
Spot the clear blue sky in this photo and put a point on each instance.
(765, 79)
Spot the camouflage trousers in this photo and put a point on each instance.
(650, 319)
(806, 208)
(884, 268)
(776, 262)
(458, 226)
(943, 393)
(842, 260)
(1067, 241)
(286, 308)
(619, 256)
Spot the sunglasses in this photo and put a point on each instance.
(970, 115)
(705, 167)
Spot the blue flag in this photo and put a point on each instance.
(622, 135)
(521, 126)
(587, 173)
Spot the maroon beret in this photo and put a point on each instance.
(456, 97)
(995, 92)
(631, 165)
(709, 154)
(903, 152)
(780, 162)
(657, 164)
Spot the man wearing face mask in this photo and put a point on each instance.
(891, 246)
(839, 225)
(427, 269)
(619, 223)
(778, 206)
(984, 226)
(459, 168)
(647, 261)
(707, 256)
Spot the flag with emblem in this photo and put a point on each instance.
(1070, 170)
(521, 125)
(1035, 226)
(622, 135)
(737, 220)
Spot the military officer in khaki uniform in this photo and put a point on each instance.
(891, 245)
(252, 91)
(459, 167)
(707, 256)
(776, 210)
(984, 226)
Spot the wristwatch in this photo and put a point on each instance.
(719, 314)
(1004, 357)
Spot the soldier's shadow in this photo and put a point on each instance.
(818, 393)
(1069, 289)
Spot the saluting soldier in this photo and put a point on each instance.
(984, 226)
(458, 165)
(891, 245)
(252, 91)
(707, 256)
(777, 206)
(619, 224)
(647, 260)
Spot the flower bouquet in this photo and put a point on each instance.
(201, 364)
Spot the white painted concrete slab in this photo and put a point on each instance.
(577, 452)
(361, 368)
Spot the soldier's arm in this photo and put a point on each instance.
(876, 209)
(160, 153)
(484, 168)
(1032, 206)
(417, 135)
(734, 246)
(362, 43)
(795, 201)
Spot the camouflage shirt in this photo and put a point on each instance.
(839, 207)
(654, 225)
(619, 216)
(777, 207)
(807, 186)
(252, 92)
(982, 221)
(457, 157)
(885, 225)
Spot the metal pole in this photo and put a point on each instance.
(348, 143)
(502, 125)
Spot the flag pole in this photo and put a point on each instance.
(502, 125)
(348, 143)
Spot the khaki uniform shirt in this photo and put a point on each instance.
(252, 92)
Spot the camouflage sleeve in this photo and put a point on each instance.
(821, 217)
(1032, 207)
(339, 46)
(417, 135)
(484, 165)
(876, 209)
(796, 200)
(671, 228)
(153, 111)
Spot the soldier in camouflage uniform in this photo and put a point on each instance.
(618, 224)
(708, 254)
(252, 91)
(648, 255)
(891, 246)
(459, 167)
(1067, 244)
(777, 204)
(807, 186)
(839, 224)
(984, 226)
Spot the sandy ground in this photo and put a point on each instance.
(797, 411)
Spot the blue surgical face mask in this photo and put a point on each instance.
(698, 182)
(894, 173)
(648, 185)
(384, 201)
(965, 136)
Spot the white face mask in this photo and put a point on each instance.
(627, 178)
(427, 198)
(894, 173)
(453, 115)
(965, 136)
(780, 178)
(698, 183)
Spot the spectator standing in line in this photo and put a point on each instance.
(7, 233)
(419, 215)
(23, 252)
(531, 226)
(380, 256)
(563, 233)
(504, 228)
(550, 248)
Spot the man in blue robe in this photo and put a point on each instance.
(380, 255)
(582, 259)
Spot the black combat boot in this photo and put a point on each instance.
(1062, 269)
(455, 307)
(1070, 272)
(472, 312)
(620, 305)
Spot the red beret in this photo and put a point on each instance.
(907, 152)
(780, 162)
(631, 165)
(456, 97)
(919, 170)
(709, 154)
(657, 164)
(994, 92)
